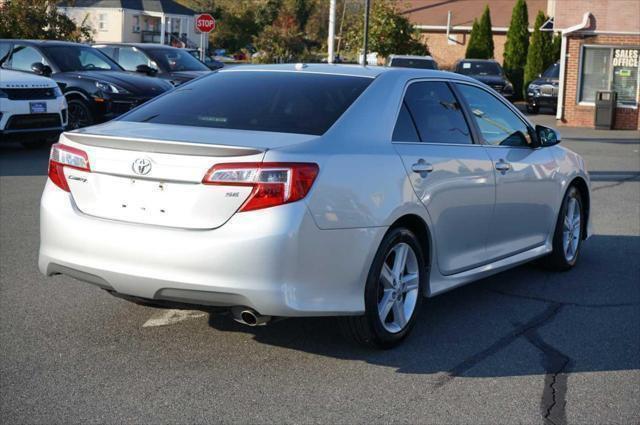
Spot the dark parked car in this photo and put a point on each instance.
(96, 88)
(410, 61)
(170, 63)
(487, 71)
(543, 91)
(211, 63)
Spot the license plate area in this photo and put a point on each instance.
(38, 107)
(144, 198)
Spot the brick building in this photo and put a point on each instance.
(600, 51)
(445, 25)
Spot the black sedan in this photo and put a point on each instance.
(543, 91)
(97, 89)
(487, 71)
(170, 63)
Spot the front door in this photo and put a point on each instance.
(525, 190)
(452, 176)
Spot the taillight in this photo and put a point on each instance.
(274, 183)
(65, 156)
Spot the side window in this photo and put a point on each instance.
(4, 50)
(405, 130)
(91, 60)
(497, 123)
(109, 51)
(437, 113)
(129, 58)
(23, 57)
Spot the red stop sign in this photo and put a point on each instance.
(205, 22)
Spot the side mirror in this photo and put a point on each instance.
(41, 69)
(547, 136)
(146, 69)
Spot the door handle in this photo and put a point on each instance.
(422, 167)
(503, 166)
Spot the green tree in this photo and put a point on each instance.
(281, 41)
(486, 34)
(537, 56)
(389, 32)
(40, 19)
(553, 52)
(474, 50)
(302, 10)
(517, 46)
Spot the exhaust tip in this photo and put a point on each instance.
(249, 317)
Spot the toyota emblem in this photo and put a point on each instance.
(142, 166)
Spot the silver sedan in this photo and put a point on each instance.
(312, 190)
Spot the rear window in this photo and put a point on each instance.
(413, 63)
(286, 102)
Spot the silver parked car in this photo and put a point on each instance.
(312, 190)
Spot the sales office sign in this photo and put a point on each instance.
(628, 58)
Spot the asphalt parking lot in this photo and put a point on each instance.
(525, 346)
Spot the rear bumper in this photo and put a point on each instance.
(275, 260)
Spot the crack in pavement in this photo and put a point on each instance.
(567, 303)
(557, 367)
(503, 342)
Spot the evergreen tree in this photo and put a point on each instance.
(486, 34)
(517, 46)
(538, 54)
(474, 51)
(553, 53)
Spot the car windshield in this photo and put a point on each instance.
(286, 102)
(552, 72)
(79, 58)
(171, 60)
(479, 68)
(413, 63)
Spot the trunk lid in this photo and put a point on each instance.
(156, 179)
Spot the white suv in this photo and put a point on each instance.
(32, 108)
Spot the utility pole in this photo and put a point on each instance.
(332, 30)
(365, 48)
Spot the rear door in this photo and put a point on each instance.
(451, 175)
(525, 189)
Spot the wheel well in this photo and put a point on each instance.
(582, 187)
(420, 229)
(75, 96)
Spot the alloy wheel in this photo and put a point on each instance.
(571, 229)
(398, 287)
(79, 115)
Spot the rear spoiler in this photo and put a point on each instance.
(161, 146)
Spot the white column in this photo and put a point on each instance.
(162, 28)
(332, 30)
(563, 72)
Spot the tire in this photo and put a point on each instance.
(565, 256)
(403, 296)
(79, 114)
(533, 109)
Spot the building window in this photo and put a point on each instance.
(136, 23)
(610, 68)
(102, 21)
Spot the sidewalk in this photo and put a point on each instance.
(548, 119)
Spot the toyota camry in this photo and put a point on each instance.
(312, 190)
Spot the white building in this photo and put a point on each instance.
(136, 21)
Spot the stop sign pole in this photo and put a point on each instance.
(205, 24)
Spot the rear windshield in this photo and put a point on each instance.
(286, 102)
(479, 68)
(552, 72)
(413, 63)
